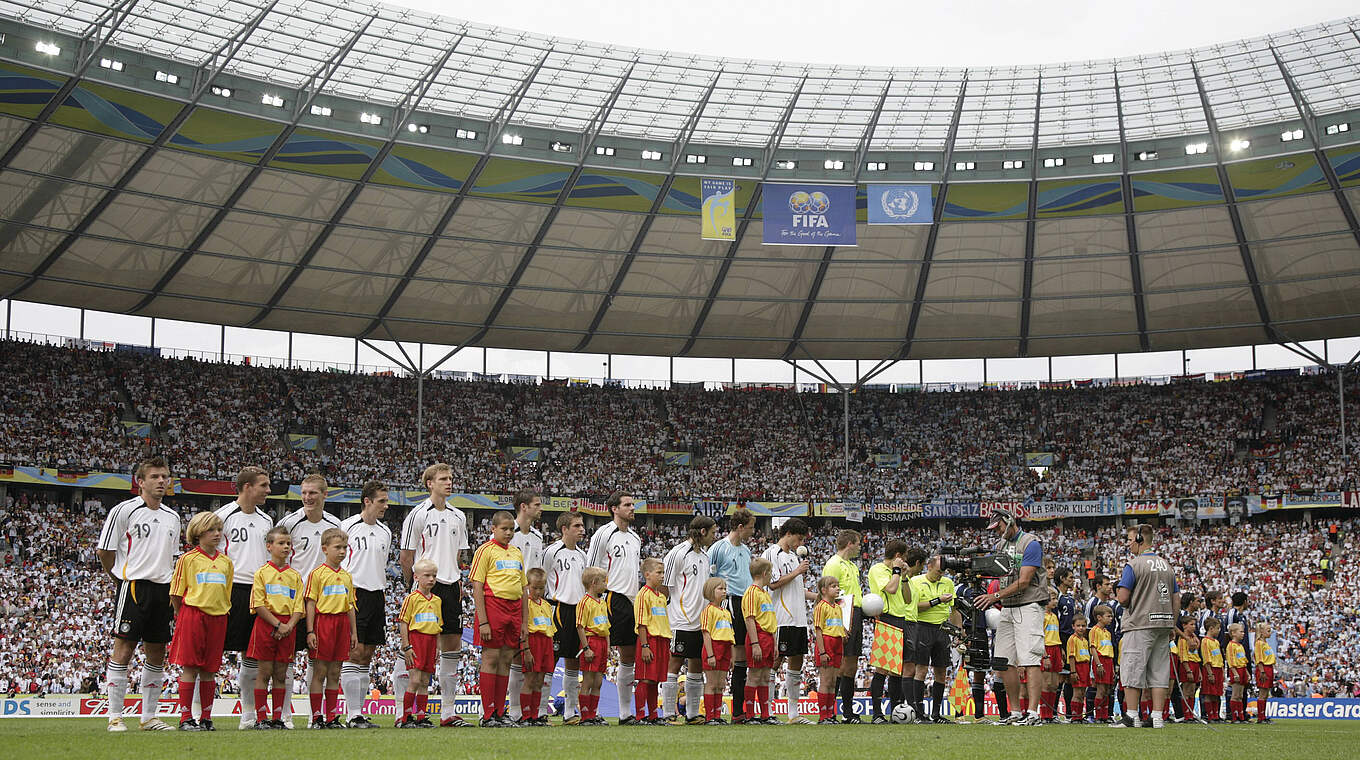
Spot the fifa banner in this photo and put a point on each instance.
(900, 204)
(800, 214)
(678, 458)
(302, 442)
(525, 453)
(718, 209)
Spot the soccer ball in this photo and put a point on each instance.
(818, 203)
(872, 605)
(800, 202)
(903, 713)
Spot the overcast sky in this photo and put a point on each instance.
(845, 32)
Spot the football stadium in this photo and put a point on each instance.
(371, 369)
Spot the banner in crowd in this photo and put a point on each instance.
(718, 509)
(137, 429)
(895, 511)
(525, 453)
(303, 442)
(1269, 502)
(802, 214)
(1038, 459)
(854, 511)
(900, 204)
(891, 461)
(1164, 507)
(951, 508)
(1106, 506)
(678, 458)
(718, 209)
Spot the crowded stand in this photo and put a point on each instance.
(64, 407)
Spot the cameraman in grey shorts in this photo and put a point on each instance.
(1147, 589)
(1020, 634)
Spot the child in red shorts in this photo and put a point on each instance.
(654, 641)
(1187, 671)
(1051, 665)
(497, 576)
(1238, 677)
(332, 628)
(276, 601)
(1079, 662)
(537, 659)
(828, 638)
(758, 609)
(1102, 660)
(1265, 670)
(719, 639)
(200, 593)
(592, 628)
(1211, 671)
(420, 621)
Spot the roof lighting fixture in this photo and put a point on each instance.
(561, 147)
(109, 63)
(1102, 158)
(965, 166)
(651, 155)
(320, 110)
(741, 161)
(1336, 129)
(47, 48)
(604, 150)
(414, 128)
(1013, 164)
(1052, 163)
(510, 139)
(1290, 135)
(168, 78)
(465, 134)
(271, 100)
(221, 91)
(786, 164)
(1239, 145)
(832, 164)
(1193, 149)
(370, 118)
(696, 158)
(876, 166)
(923, 166)
(1146, 155)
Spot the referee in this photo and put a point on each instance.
(842, 567)
(932, 594)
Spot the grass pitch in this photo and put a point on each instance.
(86, 737)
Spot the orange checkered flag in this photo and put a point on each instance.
(887, 651)
(960, 693)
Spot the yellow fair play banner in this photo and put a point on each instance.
(719, 209)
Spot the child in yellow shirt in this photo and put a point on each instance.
(758, 609)
(592, 627)
(828, 624)
(419, 623)
(276, 600)
(719, 638)
(538, 660)
(200, 593)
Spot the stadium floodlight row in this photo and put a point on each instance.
(363, 170)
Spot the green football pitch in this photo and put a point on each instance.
(86, 737)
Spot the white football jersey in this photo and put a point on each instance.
(619, 553)
(243, 540)
(370, 546)
(146, 541)
(437, 535)
(307, 538)
(686, 572)
(530, 545)
(790, 600)
(564, 567)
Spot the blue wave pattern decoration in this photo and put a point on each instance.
(1347, 168)
(548, 185)
(1076, 198)
(1193, 192)
(1311, 176)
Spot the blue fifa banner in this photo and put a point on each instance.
(719, 209)
(798, 214)
(900, 204)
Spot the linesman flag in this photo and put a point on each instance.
(719, 208)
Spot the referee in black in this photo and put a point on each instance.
(932, 593)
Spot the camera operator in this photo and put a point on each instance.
(886, 580)
(975, 629)
(1148, 590)
(932, 593)
(1023, 594)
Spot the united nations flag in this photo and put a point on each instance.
(900, 204)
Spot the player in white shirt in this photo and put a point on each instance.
(370, 544)
(528, 506)
(617, 548)
(438, 532)
(244, 528)
(686, 569)
(788, 588)
(137, 548)
(564, 561)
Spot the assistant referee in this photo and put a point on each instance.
(932, 594)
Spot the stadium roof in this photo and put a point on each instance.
(366, 170)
